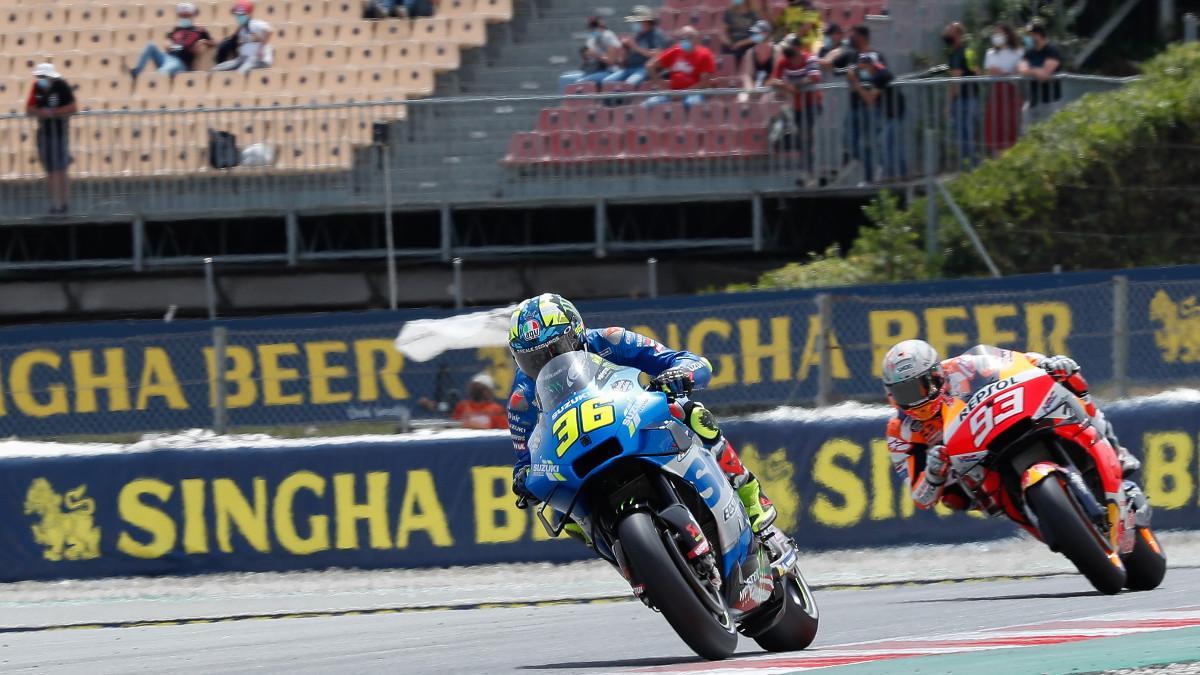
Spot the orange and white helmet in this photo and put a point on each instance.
(913, 378)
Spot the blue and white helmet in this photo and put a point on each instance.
(542, 328)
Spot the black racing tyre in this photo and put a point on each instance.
(709, 636)
(797, 628)
(1144, 566)
(1063, 522)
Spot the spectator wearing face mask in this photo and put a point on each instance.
(1042, 59)
(759, 63)
(642, 46)
(859, 122)
(603, 52)
(964, 98)
(796, 74)
(1002, 117)
(690, 66)
(251, 42)
(831, 40)
(51, 101)
(735, 33)
(886, 104)
(184, 42)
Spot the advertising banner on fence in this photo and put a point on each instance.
(141, 376)
(445, 500)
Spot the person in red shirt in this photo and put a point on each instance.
(480, 410)
(797, 73)
(689, 65)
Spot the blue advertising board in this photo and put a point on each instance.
(96, 378)
(446, 501)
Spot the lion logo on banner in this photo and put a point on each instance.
(67, 533)
(775, 472)
(1179, 337)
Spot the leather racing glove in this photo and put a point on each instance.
(524, 496)
(675, 381)
(937, 465)
(1061, 368)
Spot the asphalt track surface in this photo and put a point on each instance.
(590, 637)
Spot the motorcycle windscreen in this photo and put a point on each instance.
(985, 388)
(569, 374)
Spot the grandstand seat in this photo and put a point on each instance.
(629, 117)
(602, 145)
(598, 118)
(752, 141)
(525, 147)
(565, 145)
(719, 141)
(751, 114)
(667, 115)
(494, 10)
(707, 115)
(680, 143)
(556, 119)
(641, 144)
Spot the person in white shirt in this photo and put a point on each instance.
(253, 41)
(1002, 118)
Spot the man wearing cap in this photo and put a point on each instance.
(832, 40)
(602, 48)
(885, 104)
(480, 410)
(51, 101)
(184, 42)
(735, 33)
(252, 38)
(760, 61)
(640, 47)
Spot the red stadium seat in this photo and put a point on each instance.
(526, 147)
(753, 141)
(750, 115)
(556, 119)
(629, 117)
(667, 115)
(566, 146)
(726, 65)
(601, 145)
(707, 115)
(719, 141)
(681, 143)
(641, 144)
(681, 4)
(594, 119)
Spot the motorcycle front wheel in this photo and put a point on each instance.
(797, 627)
(711, 636)
(1063, 522)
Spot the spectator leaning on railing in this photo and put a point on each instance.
(690, 66)
(1002, 118)
(184, 42)
(886, 104)
(51, 101)
(797, 73)
(640, 47)
(1041, 61)
(963, 104)
(251, 42)
(759, 63)
(831, 40)
(858, 122)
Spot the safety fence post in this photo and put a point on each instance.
(218, 384)
(458, 283)
(931, 208)
(1189, 27)
(825, 365)
(652, 277)
(1120, 335)
(210, 288)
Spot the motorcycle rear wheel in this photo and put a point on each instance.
(797, 627)
(1144, 566)
(1063, 522)
(644, 546)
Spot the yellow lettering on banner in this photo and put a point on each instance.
(370, 375)
(1051, 339)
(150, 519)
(840, 481)
(500, 367)
(320, 372)
(239, 372)
(883, 499)
(986, 329)
(348, 512)
(497, 518)
(779, 350)
(725, 368)
(421, 510)
(274, 375)
(87, 380)
(811, 358)
(887, 328)
(21, 384)
(904, 498)
(945, 341)
(231, 508)
(158, 379)
(195, 527)
(283, 515)
(1168, 468)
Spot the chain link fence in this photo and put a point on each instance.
(340, 374)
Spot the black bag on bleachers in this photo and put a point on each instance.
(222, 150)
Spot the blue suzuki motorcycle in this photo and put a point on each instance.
(654, 502)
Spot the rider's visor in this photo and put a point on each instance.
(914, 393)
(532, 360)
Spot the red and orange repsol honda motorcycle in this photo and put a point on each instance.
(1022, 444)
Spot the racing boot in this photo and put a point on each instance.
(575, 531)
